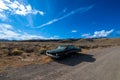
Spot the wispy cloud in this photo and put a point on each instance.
(80, 10)
(14, 7)
(74, 31)
(3, 17)
(54, 37)
(8, 32)
(87, 35)
(10, 8)
(98, 34)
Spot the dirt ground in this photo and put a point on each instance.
(97, 64)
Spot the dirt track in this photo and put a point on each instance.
(100, 64)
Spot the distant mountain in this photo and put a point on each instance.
(69, 40)
(3, 40)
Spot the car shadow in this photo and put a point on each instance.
(75, 59)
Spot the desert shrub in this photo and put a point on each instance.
(29, 49)
(90, 40)
(36, 49)
(22, 48)
(41, 51)
(44, 46)
(4, 52)
(16, 52)
(94, 46)
(1, 53)
(25, 55)
(84, 47)
(3, 46)
(104, 46)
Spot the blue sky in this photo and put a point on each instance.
(53, 19)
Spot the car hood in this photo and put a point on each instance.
(55, 50)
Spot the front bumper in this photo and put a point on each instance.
(53, 56)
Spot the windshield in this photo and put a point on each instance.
(61, 47)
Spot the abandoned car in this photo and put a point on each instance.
(62, 51)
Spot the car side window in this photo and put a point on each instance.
(70, 47)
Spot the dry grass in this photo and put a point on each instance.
(46, 59)
(18, 61)
(17, 54)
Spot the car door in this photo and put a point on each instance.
(70, 49)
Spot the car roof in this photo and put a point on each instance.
(66, 45)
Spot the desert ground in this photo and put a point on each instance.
(99, 60)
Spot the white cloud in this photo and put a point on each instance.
(74, 31)
(102, 33)
(7, 32)
(3, 17)
(54, 37)
(86, 35)
(98, 34)
(81, 10)
(14, 7)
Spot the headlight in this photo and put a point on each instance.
(56, 54)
